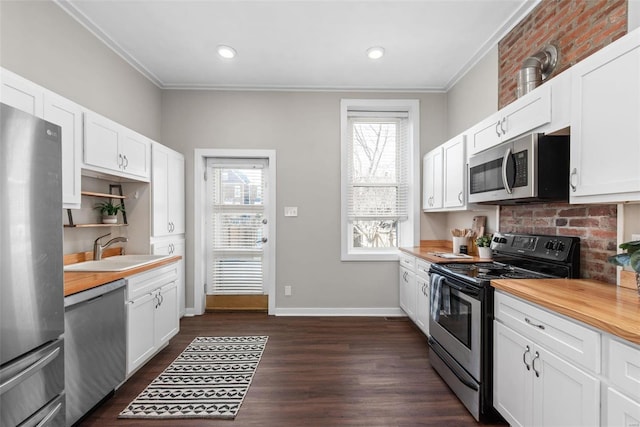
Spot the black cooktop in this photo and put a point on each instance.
(491, 271)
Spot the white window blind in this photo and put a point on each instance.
(236, 228)
(377, 175)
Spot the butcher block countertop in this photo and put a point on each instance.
(610, 308)
(428, 249)
(76, 281)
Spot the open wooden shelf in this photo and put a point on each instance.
(94, 225)
(105, 195)
(118, 196)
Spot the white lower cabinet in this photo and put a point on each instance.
(152, 313)
(622, 368)
(422, 295)
(174, 246)
(414, 290)
(408, 292)
(533, 384)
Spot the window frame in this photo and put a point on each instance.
(408, 230)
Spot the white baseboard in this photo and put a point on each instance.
(369, 312)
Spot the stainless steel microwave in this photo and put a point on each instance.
(533, 168)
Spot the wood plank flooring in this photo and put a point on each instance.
(315, 371)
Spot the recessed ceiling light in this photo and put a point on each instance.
(226, 52)
(375, 52)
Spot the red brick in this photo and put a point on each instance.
(584, 222)
(572, 212)
(603, 234)
(602, 210)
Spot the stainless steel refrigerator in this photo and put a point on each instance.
(31, 275)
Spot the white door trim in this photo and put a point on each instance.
(199, 249)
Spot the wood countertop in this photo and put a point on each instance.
(610, 308)
(428, 249)
(77, 281)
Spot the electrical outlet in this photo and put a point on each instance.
(287, 291)
(290, 211)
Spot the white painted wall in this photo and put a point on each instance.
(304, 129)
(475, 96)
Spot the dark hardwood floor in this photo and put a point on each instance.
(315, 371)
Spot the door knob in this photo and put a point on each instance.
(264, 221)
(263, 240)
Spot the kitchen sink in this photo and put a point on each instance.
(115, 263)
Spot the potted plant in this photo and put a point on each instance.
(629, 258)
(109, 211)
(484, 246)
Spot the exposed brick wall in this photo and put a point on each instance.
(577, 28)
(595, 225)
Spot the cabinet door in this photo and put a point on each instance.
(621, 411)
(432, 180)
(422, 304)
(160, 183)
(526, 113)
(563, 395)
(605, 152)
(166, 315)
(512, 387)
(455, 163)
(408, 292)
(176, 193)
(140, 330)
(485, 134)
(135, 150)
(21, 93)
(68, 116)
(101, 142)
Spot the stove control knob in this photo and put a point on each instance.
(559, 246)
(549, 245)
(502, 240)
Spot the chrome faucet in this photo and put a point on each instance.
(98, 247)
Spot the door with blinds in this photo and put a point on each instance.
(237, 244)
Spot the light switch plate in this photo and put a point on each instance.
(290, 211)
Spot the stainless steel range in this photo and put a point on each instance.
(461, 311)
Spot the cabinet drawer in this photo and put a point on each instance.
(569, 339)
(146, 282)
(422, 268)
(407, 261)
(624, 368)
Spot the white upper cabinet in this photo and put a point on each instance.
(168, 191)
(528, 112)
(113, 149)
(455, 165)
(21, 93)
(68, 116)
(444, 176)
(432, 180)
(605, 124)
(27, 96)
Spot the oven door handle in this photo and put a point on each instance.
(467, 290)
(454, 369)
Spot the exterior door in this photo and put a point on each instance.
(237, 241)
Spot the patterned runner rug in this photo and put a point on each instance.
(208, 380)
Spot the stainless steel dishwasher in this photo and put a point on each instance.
(95, 346)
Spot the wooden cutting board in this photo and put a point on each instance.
(478, 226)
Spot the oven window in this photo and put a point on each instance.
(455, 315)
(486, 177)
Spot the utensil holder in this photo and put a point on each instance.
(459, 241)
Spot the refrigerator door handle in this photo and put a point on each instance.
(32, 369)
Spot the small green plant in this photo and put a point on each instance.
(483, 241)
(631, 257)
(109, 208)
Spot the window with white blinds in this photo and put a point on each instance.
(377, 179)
(235, 227)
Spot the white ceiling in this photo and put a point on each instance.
(301, 44)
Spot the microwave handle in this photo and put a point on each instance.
(505, 180)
